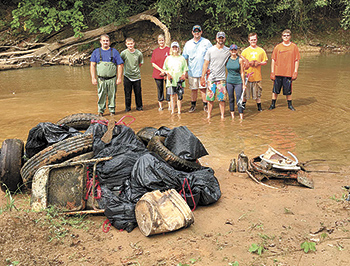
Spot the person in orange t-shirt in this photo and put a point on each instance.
(284, 68)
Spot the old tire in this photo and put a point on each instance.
(56, 153)
(156, 144)
(11, 159)
(146, 134)
(79, 121)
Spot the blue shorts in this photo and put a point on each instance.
(285, 82)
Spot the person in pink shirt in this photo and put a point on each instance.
(158, 57)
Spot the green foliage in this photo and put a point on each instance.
(256, 248)
(117, 11)
(59, 224)
(47, 16)
(12, 263)
(234, 263)
(308, 246)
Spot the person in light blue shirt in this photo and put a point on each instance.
(194, 51)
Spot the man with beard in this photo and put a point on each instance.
(215, 59)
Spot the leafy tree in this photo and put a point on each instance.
(47, 16)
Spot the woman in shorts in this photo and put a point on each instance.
(176, 68)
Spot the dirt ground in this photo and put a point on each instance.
(278, 220)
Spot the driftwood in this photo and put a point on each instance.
(51, 53)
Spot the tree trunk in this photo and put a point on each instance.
(51, 53)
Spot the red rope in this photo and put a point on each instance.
(184, 191)
(106, 226)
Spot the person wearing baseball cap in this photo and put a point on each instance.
(235, 80)
(256, 56)
(194, 51)
(215, 59)
(175, 67)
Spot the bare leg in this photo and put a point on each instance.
(160, 104)
(179, 104)
(210, 108)
(241, 116)
(204, 99)
(194, 94)
(233, 115)
(222, 109)
(172, 103)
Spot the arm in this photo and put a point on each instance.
(93, 73)
(204, 72)
(120, 74)
(295, 73)
(158, 68)
(272, 75)
(242, 71)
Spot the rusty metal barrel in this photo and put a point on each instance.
(159, 212)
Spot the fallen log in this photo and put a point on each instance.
(52, 52)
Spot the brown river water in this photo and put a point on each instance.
(319, 129)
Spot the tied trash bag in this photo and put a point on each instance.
(46, 134)
(184, 144)
(124, 148)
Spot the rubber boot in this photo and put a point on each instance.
(290, 106)
(193, 107)
(259, 107)
(273, 105)
(205, 107)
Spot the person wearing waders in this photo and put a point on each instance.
(194, 51)
(284, 68)
(106, 69)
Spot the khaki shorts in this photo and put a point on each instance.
(195, 83)
(253, 89)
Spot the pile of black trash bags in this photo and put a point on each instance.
(134, 170)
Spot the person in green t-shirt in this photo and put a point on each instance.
(133, 60)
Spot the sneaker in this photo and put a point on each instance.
(272, 107)
(192, 109)
(127, 110)
(139, 109)
(290, 107)
(112, 113)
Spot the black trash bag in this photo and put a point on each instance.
(114, 172)
(204, 183)
(121, 135)
(162, 131)
(106, 196)
(151, 173)
(46, 134)
(183, 143)
(121, 213)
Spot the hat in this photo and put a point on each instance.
(233, 47)
(220, 34)
(196, 27)
(175, 44)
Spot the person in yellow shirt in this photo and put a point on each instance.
(255, 57)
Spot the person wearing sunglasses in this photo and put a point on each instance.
(284, 68)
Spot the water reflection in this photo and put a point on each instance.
(318, 129)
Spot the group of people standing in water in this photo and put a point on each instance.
(205, 66)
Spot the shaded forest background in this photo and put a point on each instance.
(27, 24)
